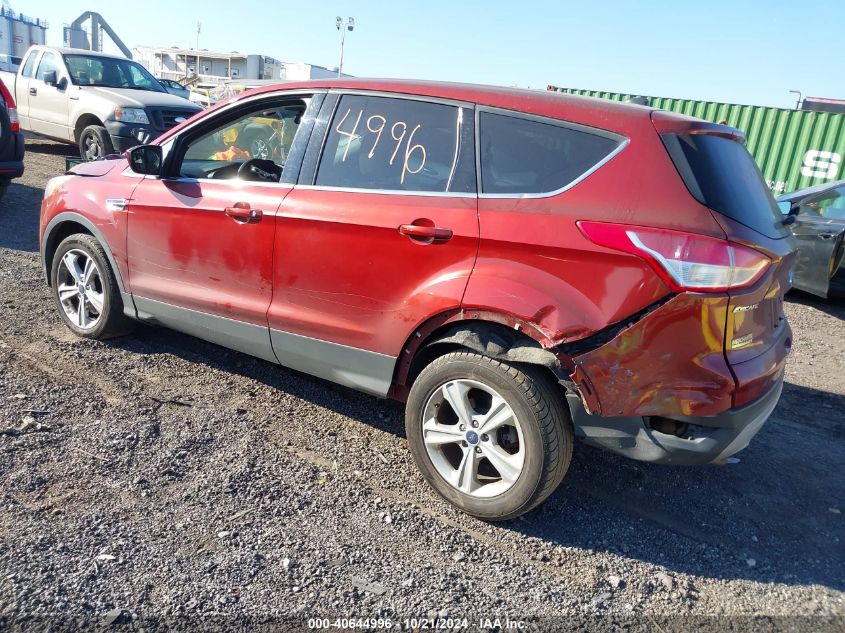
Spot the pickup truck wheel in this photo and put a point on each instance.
(85, 289)
(95, 142)
(491, 438)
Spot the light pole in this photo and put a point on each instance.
(343, 27)
(797, 103)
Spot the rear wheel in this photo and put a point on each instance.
(491, 438)
(85, 289)
(95, 142)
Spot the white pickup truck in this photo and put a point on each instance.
(102, 103)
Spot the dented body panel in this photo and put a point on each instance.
(671, 362)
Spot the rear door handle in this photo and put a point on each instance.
(426, 234)
(33, 91)
(241, 212)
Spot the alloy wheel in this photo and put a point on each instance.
(80, 289)
(473, 438)
(92, 147)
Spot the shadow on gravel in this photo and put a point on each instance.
(770, 518)
(767, 518)
(834, 306)
(19, 216)
(49, 148)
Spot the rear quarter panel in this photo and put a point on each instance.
(535, 264)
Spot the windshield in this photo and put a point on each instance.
(109, 72)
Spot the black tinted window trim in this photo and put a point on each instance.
(621, 140)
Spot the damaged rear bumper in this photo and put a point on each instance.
(689, 440)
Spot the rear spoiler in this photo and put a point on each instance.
(671, 123)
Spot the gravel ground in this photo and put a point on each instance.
(159, 476)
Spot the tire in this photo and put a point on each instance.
(542, 429)
(102, 315)
(95, 142)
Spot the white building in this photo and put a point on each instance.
(214, 68)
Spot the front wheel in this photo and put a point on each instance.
(492, 439)
(85, 289)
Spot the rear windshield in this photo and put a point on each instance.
(720, 173)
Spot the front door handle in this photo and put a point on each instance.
(33, 91)
(426, 234)
(242, 213)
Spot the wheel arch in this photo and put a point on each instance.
(493, 334)
(68, 223)
(83, 121)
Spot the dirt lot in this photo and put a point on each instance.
(162, 476)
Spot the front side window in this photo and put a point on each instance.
(262, 135)
(391, 144)
(525, 156)
(109, 72)
(830, 205)
(28, 64)
(48, 62)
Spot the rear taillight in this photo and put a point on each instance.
(685, 261)
(13, 120)
(10, 107)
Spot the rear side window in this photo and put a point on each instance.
(389, 144)
(27, 67)
(721, 174)
(525, 156)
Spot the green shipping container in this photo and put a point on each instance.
(794, 148)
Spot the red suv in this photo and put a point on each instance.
(520, 267)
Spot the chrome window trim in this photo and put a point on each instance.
(387, 192)
(579, 127)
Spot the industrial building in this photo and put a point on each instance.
(188, 65)
(18, 32)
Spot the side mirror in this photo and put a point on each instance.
(145, 159)
(51, 78)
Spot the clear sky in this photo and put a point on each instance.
(742, 51)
